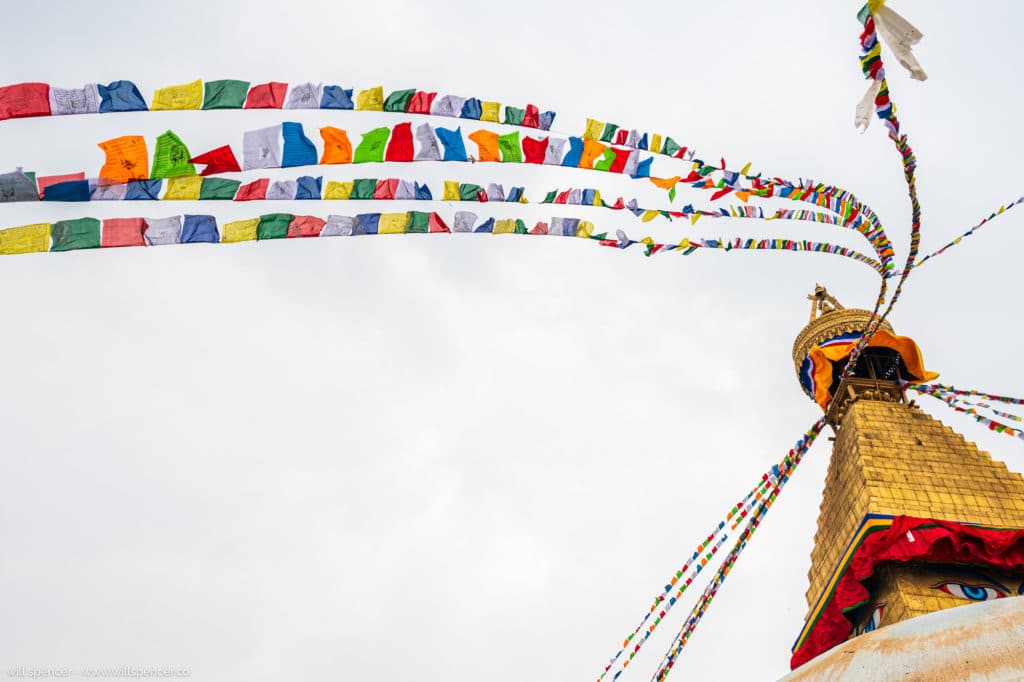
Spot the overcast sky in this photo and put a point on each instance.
(466, 457)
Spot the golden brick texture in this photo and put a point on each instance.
(891, 458)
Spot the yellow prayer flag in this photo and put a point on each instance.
(489, 111)
(187, 96)
(33, 238)
(656, 143)
(338, 190)
(451, 191)
(504, 226)
(240, 231)
(392, 223)
(649, 215)
(370, 100)
(648, 241)
(745, 169)
(685, 244)
(694, 218)
(597, 198)
(585, 229)
(594, 129)
(183, 188)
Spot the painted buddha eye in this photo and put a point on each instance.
(875, 620)
(970, 592)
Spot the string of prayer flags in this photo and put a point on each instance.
(965, 408)
(785, 470)
(1002, 209)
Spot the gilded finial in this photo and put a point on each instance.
(822, 302)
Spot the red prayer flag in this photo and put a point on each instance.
(532, 116)
(48, 180)
(253, 191)
(621, 136)
(534, 149)
(385, 189)
(219, 160)
(540, 228)
(305, 226)
(266, 96)
(123, 232)
(621, 157)
(437, 224)
(421, 102)
(24, 99)
(400, 146)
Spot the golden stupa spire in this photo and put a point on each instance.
(893, 467)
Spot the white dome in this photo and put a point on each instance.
(983, 641)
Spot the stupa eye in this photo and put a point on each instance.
(970, 592)
(875, 620)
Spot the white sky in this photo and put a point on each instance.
(466, 457)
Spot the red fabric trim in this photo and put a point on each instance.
(945, 542)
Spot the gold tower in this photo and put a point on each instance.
(894, 468)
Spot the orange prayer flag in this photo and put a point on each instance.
(666, 183)
(487, 141)
(592, 149)
(337, 147)
(127, 159)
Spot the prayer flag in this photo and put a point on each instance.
(487, 143)
(65, 101)
(24, 100)
(510, 149)
(71, 235)
(199, 229)
(305, 226)
(305, 96)
(298, 149)
(371, 99)
(398, 101)
(262, 148)
(240, 231)
(120, 96)
(371, 148)
(33, 238)
(123, 232)
(253, 191)
(160, 231)
(218, 189)
(219, 160)
(400, 147)
(266, 96)
(274, 225)
(171, 157)
(337, 147)
(336, 97)
(454, 147)
(225, 94)
(173, 97)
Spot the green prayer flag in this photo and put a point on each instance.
(520, 226)
(81, 233)
(398, 100)
(468, 192)
(363, 188)
(606, 161)
(225, 94)
(514, 116)
(609, 133)
(371, 149)
(218, 188)
(419, 221)
(672, 194)
(511, 151)
(274, 226)
(170, 159)
(550, 198)
(670, 147)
